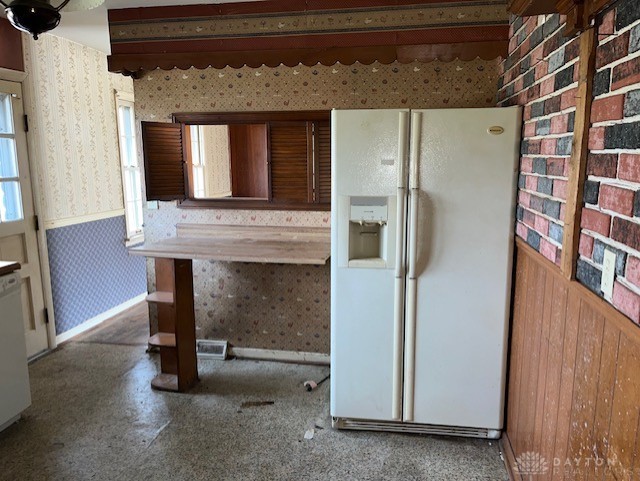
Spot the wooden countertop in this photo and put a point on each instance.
(8, 267)
(275, 245)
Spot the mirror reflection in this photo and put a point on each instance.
(228, 161)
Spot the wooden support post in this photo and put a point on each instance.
(579, 152)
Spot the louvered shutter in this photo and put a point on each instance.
(323, 162)
(163, 161)
(290, 162)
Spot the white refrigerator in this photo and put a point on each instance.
(421, 257)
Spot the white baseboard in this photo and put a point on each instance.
(100, 318)
(282, 356)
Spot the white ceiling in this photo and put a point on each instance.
(90, 28)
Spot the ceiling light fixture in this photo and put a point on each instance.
(39, 16)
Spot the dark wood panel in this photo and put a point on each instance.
(574, 378)
(11, 51)
(164, 162)
(249, 162)
(323, 162)
(290, 161)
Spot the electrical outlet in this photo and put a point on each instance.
(608, 273)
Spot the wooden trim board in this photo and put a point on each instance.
(579, 153)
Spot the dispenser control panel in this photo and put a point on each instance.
(369, 209)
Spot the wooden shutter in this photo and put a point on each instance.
(323, 162)
(290, 161)
(164, 166)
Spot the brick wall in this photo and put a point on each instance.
(540, 74)
(610, 217)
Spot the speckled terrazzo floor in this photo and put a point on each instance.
(95, 417)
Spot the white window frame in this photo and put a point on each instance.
(135, 233)
(197, 162)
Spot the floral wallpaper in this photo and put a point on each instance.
(279, 306)
(72, 127)
(415, 85)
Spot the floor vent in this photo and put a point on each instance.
(399, 427)
(211, 349)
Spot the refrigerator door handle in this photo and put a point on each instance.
(410, 324)
(398, 321)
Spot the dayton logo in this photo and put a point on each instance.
(531, 464)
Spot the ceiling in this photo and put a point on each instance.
(90, 27)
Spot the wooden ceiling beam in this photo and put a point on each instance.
(135, 64)
(579, 13)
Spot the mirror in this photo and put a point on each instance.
(228, 161)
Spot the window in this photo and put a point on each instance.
(197, 161)
(240, 160)
(131, 178)
(10, 196)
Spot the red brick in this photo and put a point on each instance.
(537, 54)
(613, 50)
(513, 43)
(632, 273)
(562, 211)
(560, 189)
(607, 26)
(629, 167)
(560, 124)
(521, 230)
(519, 84)
(526, 164)
(555, 166)
(616, 199)
(524, 198)
(596, 138)
(568, 99)
(526, 113)
(626, 232)
(541, 225)
(531, 182)
(542, 69)
(602, 165)
(548, 146)
(585, 248)
(529, 218)
(627, 73)
(547, 86)
(548, 250)
(595, 221)
(607, 108)
(530, 129)
(627, 301)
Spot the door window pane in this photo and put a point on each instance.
(8, 159)
(6, 122)
(10, 201)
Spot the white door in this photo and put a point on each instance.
(366, 322)
(464, 239)
(18, 241)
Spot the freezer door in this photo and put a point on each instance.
(369, 156)
(464, 235)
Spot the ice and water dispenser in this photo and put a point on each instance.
(368, 232)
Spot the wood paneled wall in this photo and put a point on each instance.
(574, 380)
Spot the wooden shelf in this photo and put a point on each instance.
(161, 297)
(163, 339)
(165, 382)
